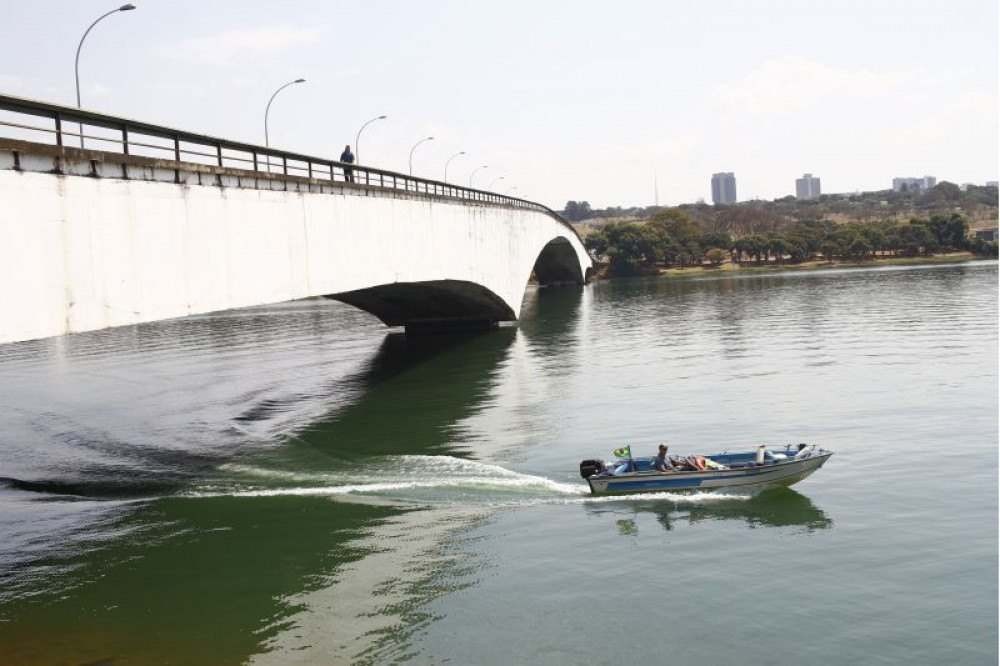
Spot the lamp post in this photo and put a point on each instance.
(485, 166)
(494, 182)
(267, 110)
(123, 8)
(461, 152)
(428, 138)
(357, 139)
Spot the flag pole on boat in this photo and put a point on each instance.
(625, 452)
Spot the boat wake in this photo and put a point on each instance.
(427, 480)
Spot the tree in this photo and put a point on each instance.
(984, 248)
(916, 238)
(576, 211)
(949, 231)
(716, 256)
(629, 247)
(716, 239)
(742, 247)
(874, 237)
(778, 246)
(693, 253)
(797, 251)
(943, 191)
(596, 243)
(677, 225)
(859, 248)
(757, 246)
(830, 249)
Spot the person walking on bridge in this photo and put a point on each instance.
(347, 157)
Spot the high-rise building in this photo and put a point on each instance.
(807, 187)
(724, 188)
(914, 184)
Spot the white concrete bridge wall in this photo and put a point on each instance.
(80, 253)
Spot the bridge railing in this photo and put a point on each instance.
(64, 126)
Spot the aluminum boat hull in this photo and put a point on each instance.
(783, 473)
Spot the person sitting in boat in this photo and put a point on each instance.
(696, 463)
(662, 461)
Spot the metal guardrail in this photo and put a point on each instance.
(135, 138)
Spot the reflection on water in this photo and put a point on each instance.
(169, 518)
(368, 611)
(204, 580)
(779, 507)
(436, 381)
(291, 484)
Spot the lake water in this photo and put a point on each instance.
(291, 484)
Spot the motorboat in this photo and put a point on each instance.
(751, 470)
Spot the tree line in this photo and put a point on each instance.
(671, 238)
(975, 201)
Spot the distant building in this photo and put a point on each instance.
(807, 187)
(914, 184)
(991, 183)
(724, 188)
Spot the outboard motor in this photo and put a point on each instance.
(589, 468)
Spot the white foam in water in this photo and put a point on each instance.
(400, 473)
(676, 498)
(397, 474)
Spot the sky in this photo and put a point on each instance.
(564, 100)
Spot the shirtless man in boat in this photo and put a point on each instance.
(662, 462)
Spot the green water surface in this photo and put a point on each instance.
(293, 484)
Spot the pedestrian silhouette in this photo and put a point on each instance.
(347, 157)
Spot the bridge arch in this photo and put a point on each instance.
(455, 304)
(434, 304)
(559, 263)
(98, 238)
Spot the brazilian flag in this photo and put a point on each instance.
(624, 452)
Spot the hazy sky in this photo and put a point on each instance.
(566, 100)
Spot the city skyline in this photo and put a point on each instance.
(544, 114)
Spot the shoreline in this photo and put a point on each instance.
(734, 269)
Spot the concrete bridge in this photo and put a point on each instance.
(145, 222)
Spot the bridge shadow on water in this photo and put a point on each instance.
(211, 576)
(408, 398)
(207, 570)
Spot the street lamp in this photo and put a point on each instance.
(485, 166)
(267, 110)
(123, 8)
(462, 152)
(494, 182)
(429, 138)
(357, 139)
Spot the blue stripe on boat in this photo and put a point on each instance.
(642, 484)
